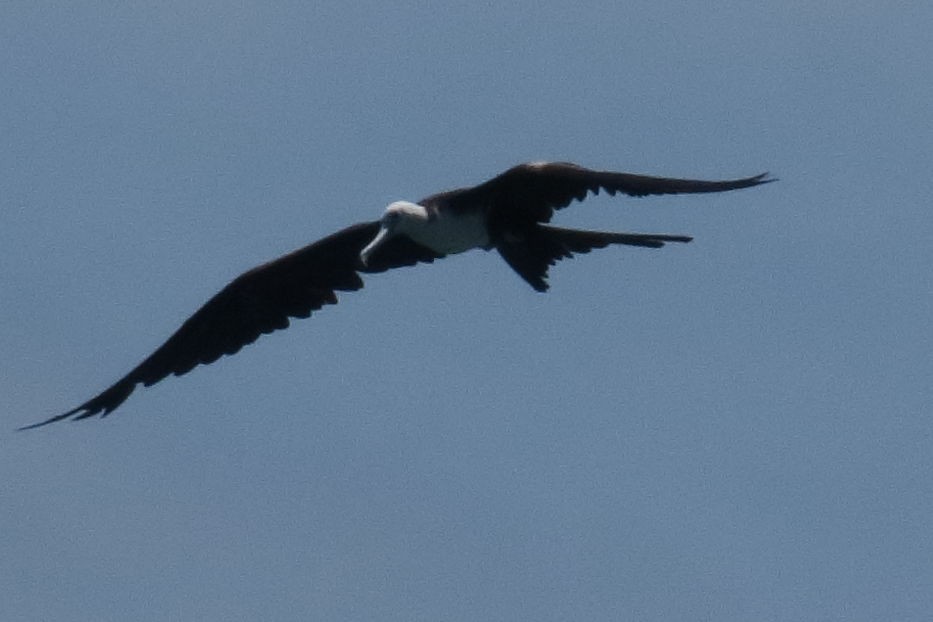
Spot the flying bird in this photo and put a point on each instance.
(508, 213)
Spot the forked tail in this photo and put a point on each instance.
(543, 246)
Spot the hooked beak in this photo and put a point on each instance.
(380, 238)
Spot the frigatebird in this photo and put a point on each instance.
(508, 213)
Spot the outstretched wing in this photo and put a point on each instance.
(259, 302)
(531, 192)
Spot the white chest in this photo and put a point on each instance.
(452, 233)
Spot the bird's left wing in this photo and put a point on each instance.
(259, 302)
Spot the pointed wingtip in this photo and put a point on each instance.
(102, 405)
(49, 420)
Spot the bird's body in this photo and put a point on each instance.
(443, 231)
(508, 213)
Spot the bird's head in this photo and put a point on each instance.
(400, 217)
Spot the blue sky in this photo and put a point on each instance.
(734, 429)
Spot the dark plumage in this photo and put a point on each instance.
(507, 213)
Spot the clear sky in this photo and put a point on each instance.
(735, 429)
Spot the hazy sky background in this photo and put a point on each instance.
(735, 429)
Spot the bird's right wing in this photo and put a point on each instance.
(259, 302)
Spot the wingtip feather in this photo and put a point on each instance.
(102, 405)
(51, 420)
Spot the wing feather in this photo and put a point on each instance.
(531, 192)
(258, 302)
